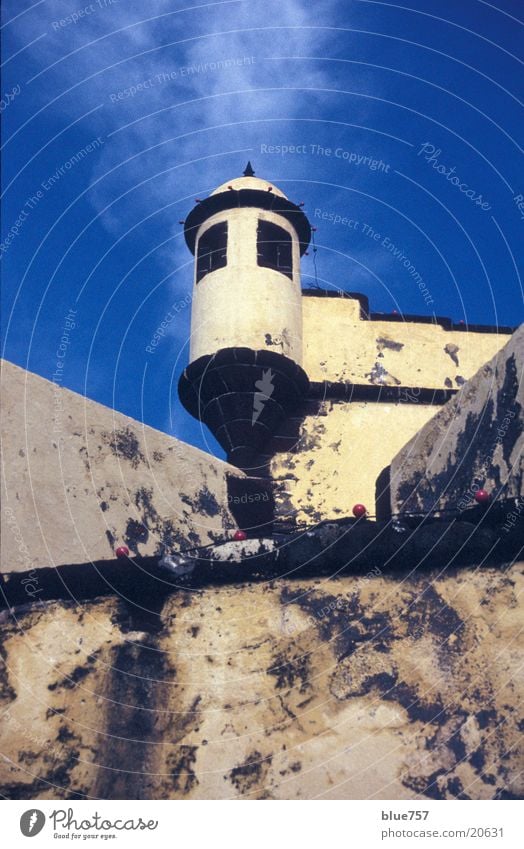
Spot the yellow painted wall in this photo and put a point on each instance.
(340, 453)
(340, 346)
(344, 446)
(356, 688)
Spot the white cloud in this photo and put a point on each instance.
(112, 50)
(171, 127)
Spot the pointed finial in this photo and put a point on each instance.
(249, 170)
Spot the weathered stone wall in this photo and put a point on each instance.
(268, 314)
(80, 479)
(341, 449)
(338, 448)
(359, 687)
(475, 441)
(402, 685)
(341, 345)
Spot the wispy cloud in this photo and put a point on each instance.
(179, 89)
(181, 97)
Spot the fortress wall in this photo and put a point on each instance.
(392, 686)
(397, 687)
(339, 345)
(79, 479)
(342, 448)
(475, 441)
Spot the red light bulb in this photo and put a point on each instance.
(239, 536)
(359, 510)
(482, 496)
(122, 551)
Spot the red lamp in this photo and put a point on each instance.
(482, 496)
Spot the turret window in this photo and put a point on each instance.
(212, 250)
(274, 248)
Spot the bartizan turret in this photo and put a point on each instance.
(245, 372)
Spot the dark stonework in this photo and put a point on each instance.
(242, 396)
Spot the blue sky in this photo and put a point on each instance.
(406, 122)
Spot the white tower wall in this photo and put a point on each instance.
(244, 304)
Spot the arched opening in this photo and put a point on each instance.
(274, 248)
(212, 250)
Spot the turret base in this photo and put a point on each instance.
(242, 396)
